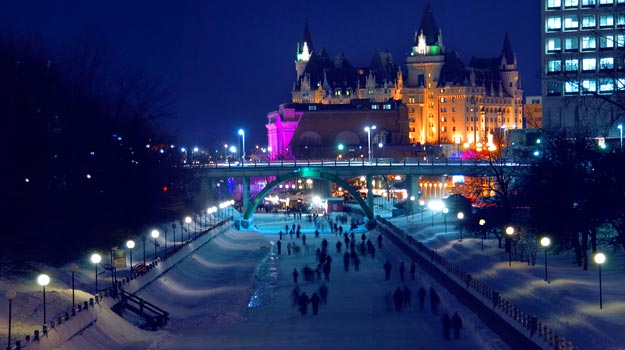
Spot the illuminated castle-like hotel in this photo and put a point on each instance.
(435, 100)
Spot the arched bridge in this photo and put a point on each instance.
(335, 171)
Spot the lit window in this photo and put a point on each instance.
(620, 83)
(589, 85)
(553, 4)
(571, 44)
(571, 65)
(606, 85)
(588, 21)
(620, 40)
(589, 43)
(589, 3)
(554, 66)
(606, 41)
(606, 21)
(606, 63)
(571, 3)
(571, 22)
(554, 88)
(571, 87)
(606, 2)
(554, 23)
(375, 107)
(387, 106)
(554, 45)
(589, 64)
(620, 19)
(411, 100)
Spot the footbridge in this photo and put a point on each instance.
(337, 170)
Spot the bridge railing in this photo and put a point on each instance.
(358, 162)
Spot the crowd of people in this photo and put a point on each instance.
(316, 273)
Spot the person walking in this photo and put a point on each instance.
(402, 270)
(346, 258)
(323, 293)
(338, 246)
(446, 325)
(326, 270)
(279, 245)
(303, 238)
(398, 298)
(421, 294)
(387, 270)
(413, 270)
(289, 246)
(295, 276)
(407, 296)
(314, 301)
(295, 295)
(380, 241)
(303, 303)
(356, 263)
(280, 234)
(456, 324)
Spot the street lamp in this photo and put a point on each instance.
(620, 129)
(10, 295)
(188, 221)
(368, 130)
(600, 259)
(95, 259)
(43, 281)
(173, 227)
(482, 222)
(130, 245)
(445, 211)
(460, 217)
(545, 242)
(509, 233)
(242, 133)
(143, 239)
(155, 235)
(411, 206)
(73, 268)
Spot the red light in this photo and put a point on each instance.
(165, 188)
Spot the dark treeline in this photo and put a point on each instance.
(82, 159)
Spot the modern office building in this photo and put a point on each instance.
(583, 47)
(436, 100)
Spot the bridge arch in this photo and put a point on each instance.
(306, 173)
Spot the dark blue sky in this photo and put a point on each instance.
(229, 63)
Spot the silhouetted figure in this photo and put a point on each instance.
(456, 324)
(435, 300)
(421, 294)
(324, 244)
(338, 246)
(346, 258)
(317, 254)
(446, 324)
(356, 264)
(295, 295)
(326, 270)
(402, 270)
(303, 303)
(316, 233)
(380, 241)
(295, 276)
(387, 270)
(323, 293)
(280, 234)
(407, 296)
(279, 245)
(315, 300)
(398, 298)
(289, 246)
(303, 238)
(413, 270)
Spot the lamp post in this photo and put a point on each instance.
(143, 239)
(509, 233)
(43, 280)
(620, 129)
(482, 222)
(242, 133)
(600, 259)
(411, 206)
(545, 242)
(445, 211)
(460, 217)
(368, 130)
(73, 268)
(188, 221)
(95, 259)
(173, 227)
(155, 235)
(422, 203)
(130, 245)
(10, 295)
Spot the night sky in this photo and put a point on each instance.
(229, 63)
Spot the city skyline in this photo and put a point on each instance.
(228, 68)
